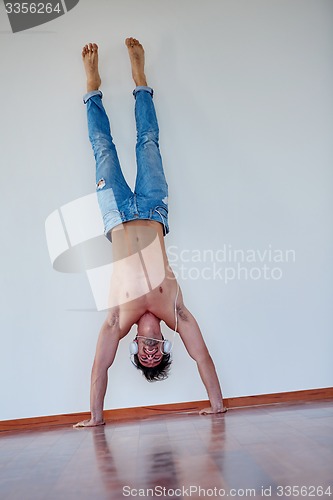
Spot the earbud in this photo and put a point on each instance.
(167, 347)
(133, 348)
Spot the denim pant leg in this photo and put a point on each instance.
(151, 188)
(113, 192)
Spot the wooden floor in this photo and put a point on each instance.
(238, 454)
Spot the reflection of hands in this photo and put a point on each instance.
(88, 423)
(210, 411)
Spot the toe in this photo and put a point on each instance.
(131, 42)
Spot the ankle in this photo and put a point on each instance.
(140, 81)
(93, 83)
(91, 88)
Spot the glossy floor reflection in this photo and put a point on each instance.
(243, 452)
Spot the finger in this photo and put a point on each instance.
(78, 425)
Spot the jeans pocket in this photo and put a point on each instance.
(162, 209)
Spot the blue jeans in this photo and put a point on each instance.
(117, 202)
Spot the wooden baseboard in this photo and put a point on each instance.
(281, 397)
(127, 414)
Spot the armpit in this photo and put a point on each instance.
(182, 313)
(113, 318)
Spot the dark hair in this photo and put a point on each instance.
(159, 372)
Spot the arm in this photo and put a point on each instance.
(106, 349)
(195, 345)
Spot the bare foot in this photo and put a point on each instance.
(88, 423)
(137, 57)
(90, 61)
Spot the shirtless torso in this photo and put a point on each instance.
(142, 280)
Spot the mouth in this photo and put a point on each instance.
(150, 362)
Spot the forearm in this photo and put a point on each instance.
(105, 352)
(99, 381)
(211, 382)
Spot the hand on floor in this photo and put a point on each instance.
(210, 411)
(87, 423)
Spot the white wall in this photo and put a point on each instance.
(243, 91)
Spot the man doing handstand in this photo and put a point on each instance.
(144, 290)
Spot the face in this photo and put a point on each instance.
(150, 340)
(150, 351)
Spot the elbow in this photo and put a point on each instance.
(203, 358)
(99, 369)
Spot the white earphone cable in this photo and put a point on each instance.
(176, 319)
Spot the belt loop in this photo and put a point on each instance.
(135, 204)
